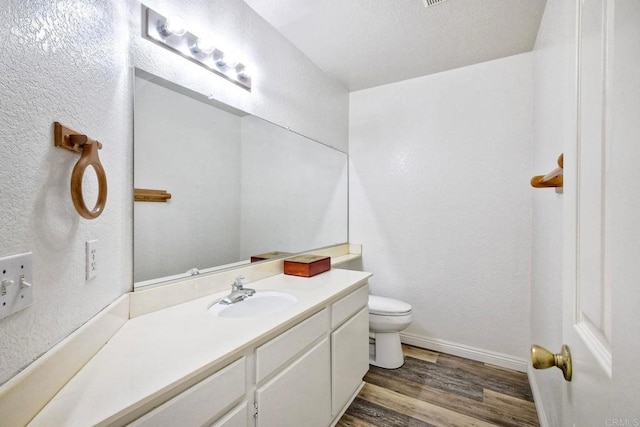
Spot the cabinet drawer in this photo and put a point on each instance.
(279, 350)
(347, 306)
(202, 402)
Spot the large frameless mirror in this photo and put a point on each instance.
(239, 186)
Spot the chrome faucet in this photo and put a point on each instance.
(238, 292)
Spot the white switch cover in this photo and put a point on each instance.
(16, 277)
(92, 258)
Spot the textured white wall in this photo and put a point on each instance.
(294, 191)
(554, 112)
(64, 61)
(192, 150)
(69, 61)
(440, 199)
(288, 88)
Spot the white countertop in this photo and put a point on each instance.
(153, 353)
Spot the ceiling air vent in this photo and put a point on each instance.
(428, 3)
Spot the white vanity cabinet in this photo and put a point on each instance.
(313, 389)
(203, 402)
(170, 362)
(304, 376)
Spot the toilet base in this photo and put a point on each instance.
(387, 351)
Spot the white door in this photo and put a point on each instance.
(601, 291)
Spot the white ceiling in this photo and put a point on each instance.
(366, 43)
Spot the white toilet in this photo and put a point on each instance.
(387, 317)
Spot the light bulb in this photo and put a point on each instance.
(203, 46)
(243, 72)
(230, 61)
(226, 61)
(173, 25)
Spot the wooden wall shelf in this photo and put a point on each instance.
(146, 195)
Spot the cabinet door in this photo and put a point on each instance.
(238, 417)
(301, 394)
(349, 358)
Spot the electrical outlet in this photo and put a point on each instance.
(92, 258)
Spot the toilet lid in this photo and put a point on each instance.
(388, 306)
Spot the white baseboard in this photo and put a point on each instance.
(537, 398)
(468, 352)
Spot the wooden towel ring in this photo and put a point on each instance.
(89, 157)
(64, 137)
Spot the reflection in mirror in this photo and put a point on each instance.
(240, 186)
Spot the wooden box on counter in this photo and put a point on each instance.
(307, 265)
(269, 255)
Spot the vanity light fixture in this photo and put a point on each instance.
(171, 33)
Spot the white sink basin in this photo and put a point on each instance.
(257, 305)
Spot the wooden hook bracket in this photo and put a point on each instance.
(71, 140)
(553, 179)
(146, 195)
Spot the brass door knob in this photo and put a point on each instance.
(541, 358)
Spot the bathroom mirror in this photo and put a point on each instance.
(239, 186)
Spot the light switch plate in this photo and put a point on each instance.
(16, 278)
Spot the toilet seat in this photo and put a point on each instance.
(383, 306)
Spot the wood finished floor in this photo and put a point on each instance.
(437, 389)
